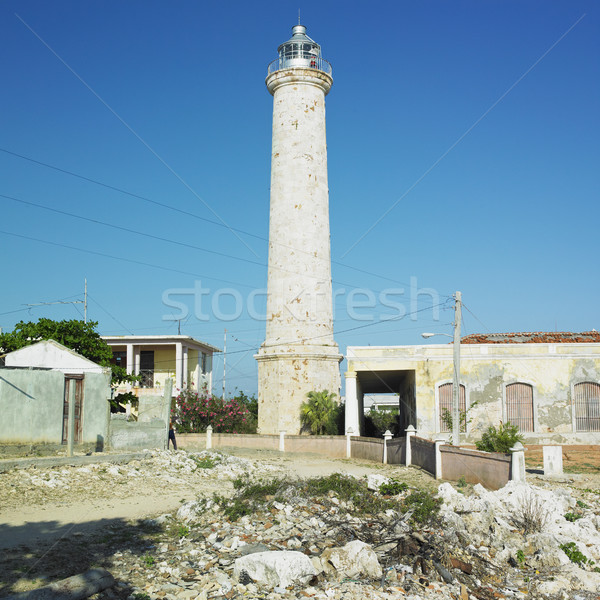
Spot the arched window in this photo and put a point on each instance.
(586, 401)
(519, 405)
(445, 403)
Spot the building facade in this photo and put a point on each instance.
(299, 353)
(156, 358)
(548, 384)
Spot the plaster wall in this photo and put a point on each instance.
(31, 404)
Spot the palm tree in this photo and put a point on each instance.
(318, 412)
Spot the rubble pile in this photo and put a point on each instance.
(38, 485)
(522, 541)
(319, 547)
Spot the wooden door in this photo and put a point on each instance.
(77, 381)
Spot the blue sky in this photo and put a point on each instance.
(463, 155)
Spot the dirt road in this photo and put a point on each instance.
(42, 505)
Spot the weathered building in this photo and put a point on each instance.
(299, 353)
(35, 390)
(546, 383)
(156, 358)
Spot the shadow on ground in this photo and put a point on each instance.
(66, 550)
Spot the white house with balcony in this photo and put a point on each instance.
(156, 358)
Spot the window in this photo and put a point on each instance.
(119, 358)
(586, 402)
(519, 405)
(445, 402)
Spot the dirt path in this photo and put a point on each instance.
(43, 505)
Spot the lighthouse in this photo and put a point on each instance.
(299, 353)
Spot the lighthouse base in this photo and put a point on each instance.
(284, 380)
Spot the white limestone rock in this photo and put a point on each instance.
(280, 568)
(355, 559)
(375, 481)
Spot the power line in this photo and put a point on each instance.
(155, 237)
(187, 213)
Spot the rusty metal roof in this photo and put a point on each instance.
(534, 337)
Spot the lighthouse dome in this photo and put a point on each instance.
(300, 51)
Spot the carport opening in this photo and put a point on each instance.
(390, 390)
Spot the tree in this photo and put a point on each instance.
(319, 413)
(77, 335)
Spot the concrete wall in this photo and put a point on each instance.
(31, 404)
(486, 369)
(367, 448)
(423, 454)
(135, 435)
(490, 469)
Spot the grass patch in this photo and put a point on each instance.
(250, 497)
(425, 506)
(392, 488)
(572, 517)
(205, 462)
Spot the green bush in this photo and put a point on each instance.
(425, 506)
(499, 440)
(194, 412)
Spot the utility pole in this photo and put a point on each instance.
(456, 364)
(85, 300)
(224, 360)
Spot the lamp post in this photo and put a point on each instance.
(456, 366)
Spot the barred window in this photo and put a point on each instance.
(519, 405)
(587, 406)
(445, 402)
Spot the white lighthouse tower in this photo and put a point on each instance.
(299, 354)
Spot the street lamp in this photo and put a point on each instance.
(456, 366)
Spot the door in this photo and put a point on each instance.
(77, 381)
(147, 368)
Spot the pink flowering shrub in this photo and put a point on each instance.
(195, 411)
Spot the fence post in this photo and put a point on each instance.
(349, 433)
(282, 440)
(209, 437)
(517, 471)
(410, 431)
(553, 462)
(438, 457)
(386, 437)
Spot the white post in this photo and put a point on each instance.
(518, 462)
(553, 462)
(71, 422)
(352, 416)
(168, 399)
(179, 365)
(349, 433)
(386, 437)
(281, 440)
(185, 369)
(209, 437)
(410, 431)
(438, 457)
(130, 363)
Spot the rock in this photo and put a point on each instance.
(375, 481)
(279, 568)
(355, 559)
(253, 549)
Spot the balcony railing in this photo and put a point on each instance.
(307, 61)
